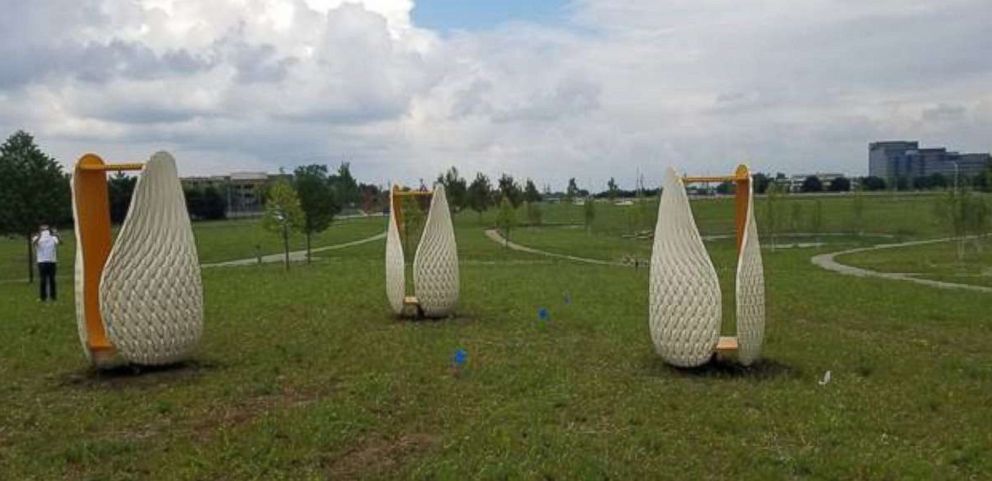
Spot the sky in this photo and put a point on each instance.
(404, 89)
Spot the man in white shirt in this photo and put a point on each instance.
(46, 244)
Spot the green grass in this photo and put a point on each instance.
(307, 375)
(938, 261)
(216, 241)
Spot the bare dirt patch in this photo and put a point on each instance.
(378, 456)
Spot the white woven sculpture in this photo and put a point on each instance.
(435, 264)
(685, 291)
(684, 296)
(750, 293)
(150, 293)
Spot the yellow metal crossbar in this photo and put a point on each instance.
(742, 182)
(112, 167)
(701, 179)
(413, 193)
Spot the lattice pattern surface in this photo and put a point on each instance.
(151, 296)
(395, 261)
(684, 290)
(435, 266)
(79, 275)
(750, 293)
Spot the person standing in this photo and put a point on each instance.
(46, 244)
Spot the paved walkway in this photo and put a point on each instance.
(829, 262)
(294, 256)
(495, 236)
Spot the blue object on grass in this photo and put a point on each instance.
(458, 360)
(543, 314)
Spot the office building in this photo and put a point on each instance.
(904, 159)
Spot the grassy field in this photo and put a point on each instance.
(216, 241)
(308, 375)
(933, 261)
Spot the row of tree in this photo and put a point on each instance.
(309, 203)
(33, 191)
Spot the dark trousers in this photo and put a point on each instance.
(46, 277)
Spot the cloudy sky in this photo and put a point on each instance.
(586, 88)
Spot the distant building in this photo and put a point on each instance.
(243, 190)
(826, 179)
(903, 159)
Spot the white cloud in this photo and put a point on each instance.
(619, 86)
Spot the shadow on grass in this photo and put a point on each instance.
(136, 376)
(764, 369)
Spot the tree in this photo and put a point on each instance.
(534, 214)
(506, 219)
(317, 200)
(873, 183)
(816, 220)
(612, 189)
(983, 181)
(480, 194)
(858, 208)
(725, 188)
(811, 184)
(644, 210)
(214, 205)
(194, 201)
(761, 182)
(345, 186)
(120, 189)
(33, 191)
(509, 189)
(902, 183)
(773, 212)
(840, 184)
(571, 191)
(372, 197)
(531, 194)
(966, 214)
(205, 203)
(282, 213)
(589, 213)
(796, 215)
(455, 187)
(937, 180)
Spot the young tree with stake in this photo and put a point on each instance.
(282, 213)
(317, 200)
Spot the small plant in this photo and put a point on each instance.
(773, 211)
(858, 211)
(283, 213)
(966, 216)
(534, 214)
(816, 220)
(506, 219)
(795, 216)
(589, 213)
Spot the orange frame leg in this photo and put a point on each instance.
(93, 221)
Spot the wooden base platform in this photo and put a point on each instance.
(726, 345)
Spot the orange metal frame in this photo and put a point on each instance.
(396, 206)
(397, 210)
(742, 181)
(93, 221)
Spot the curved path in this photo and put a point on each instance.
(295, 256)
(495, 236)
(829, 262)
